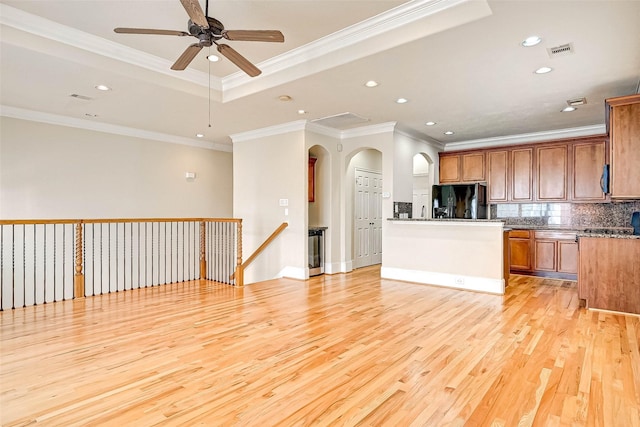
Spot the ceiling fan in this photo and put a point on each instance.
(209, 31)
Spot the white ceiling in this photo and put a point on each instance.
(458, 62)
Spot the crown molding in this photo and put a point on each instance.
(59, 120)
(296, 126)
(432, 142)
(526, 138)
(46, 28)
(387, 127)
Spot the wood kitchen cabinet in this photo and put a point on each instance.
(466, 167)
(552, 172)
(521, 174)
(544, 253)
(450, 169)
(587, 163)
(609, 276)
(555, 251)
(497, 175)
(520, 250)
(623, 126)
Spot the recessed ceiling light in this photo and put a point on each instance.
(402, 100)
(213, 58)
(430, 123)
(543, 70)
(103, 87)
(302, 112)
(531, 41)
(449, 132)
(285, 98)
(568, 109)
(371, 83)
(200, 135)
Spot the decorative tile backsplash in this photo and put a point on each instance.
(589, 215)
(402, 209)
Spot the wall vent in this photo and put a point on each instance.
(341, 121)
(562, 50)
(83, 97)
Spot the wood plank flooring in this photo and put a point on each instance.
(335, 350)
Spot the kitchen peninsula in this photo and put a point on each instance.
(457, 253)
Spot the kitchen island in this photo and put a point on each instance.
(457, 253)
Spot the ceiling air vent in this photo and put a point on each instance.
(83, 97)
(562, 50)
(342, 121)
(576, 101)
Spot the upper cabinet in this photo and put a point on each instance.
(587, 164)
(521, 175)
(623, 124)
(559, 171)
(465, 167)
(552, 172)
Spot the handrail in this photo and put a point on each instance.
(239, 274)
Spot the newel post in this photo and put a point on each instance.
(78, 278)
(203, 250)
(239, 269)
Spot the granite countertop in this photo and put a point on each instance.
(609, 235)
(444, 219)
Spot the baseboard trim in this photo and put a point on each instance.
(467, 283)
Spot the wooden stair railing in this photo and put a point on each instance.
(239, 274)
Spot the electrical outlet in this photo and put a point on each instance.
(459, 281)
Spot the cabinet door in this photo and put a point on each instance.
(567, 257)
(551, 172)
(520, 254)
(588, 160)
(497, 162)
(473, 167)
(545, 255)
(625, 151)
(449, 169)
(521, 174)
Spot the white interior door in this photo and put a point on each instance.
(368, 218)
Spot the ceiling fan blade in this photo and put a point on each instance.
(195, 12)
(243, 63)
(186, 57)
(150, 31)
(254, 35)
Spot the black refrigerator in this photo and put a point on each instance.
(467, 201)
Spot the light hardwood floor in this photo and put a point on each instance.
(335, 350)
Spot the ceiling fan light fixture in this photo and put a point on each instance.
(531, 41)
(213, 58)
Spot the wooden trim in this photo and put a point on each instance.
(78, 277)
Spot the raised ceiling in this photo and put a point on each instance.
(459, 63)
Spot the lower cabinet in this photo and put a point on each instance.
(544, 253)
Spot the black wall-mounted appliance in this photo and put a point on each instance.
(635, 223)
(460, 201)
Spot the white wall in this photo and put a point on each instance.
(265, 170)
(405, 148)
(49, 171)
